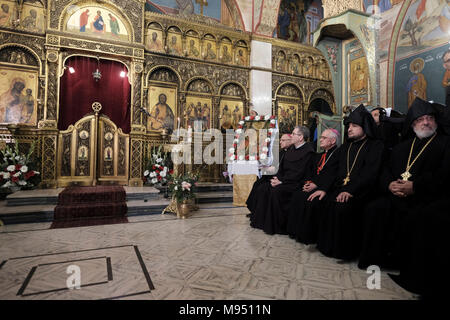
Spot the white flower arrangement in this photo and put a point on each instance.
(15, 170)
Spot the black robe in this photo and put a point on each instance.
(384, 216)
(340, 223)
(252, 197)
(425, 254)
(269, 212)
(303, 217)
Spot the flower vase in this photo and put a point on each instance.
(184, 209)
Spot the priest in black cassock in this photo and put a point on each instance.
(269, 212)
(415, 176)
(303, 217)
(285, 143)
(360, 158)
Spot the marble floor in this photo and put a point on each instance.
(213, 254)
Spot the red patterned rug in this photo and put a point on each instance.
(89, 206)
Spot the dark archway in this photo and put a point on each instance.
(320, 105)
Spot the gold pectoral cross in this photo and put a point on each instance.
(346, 180)
(406, 175)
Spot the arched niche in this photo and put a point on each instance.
(323, 95)
(289, 101)
(280, 62)
(97, 19)
(232, 106)
(198, 109)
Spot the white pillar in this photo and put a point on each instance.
(261, 77)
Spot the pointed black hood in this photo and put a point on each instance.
(363, 118)
(418, 109)
(443, 117)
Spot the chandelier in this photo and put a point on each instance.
(97, 75)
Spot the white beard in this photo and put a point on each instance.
(422, 134)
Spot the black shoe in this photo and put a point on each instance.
(248, 215)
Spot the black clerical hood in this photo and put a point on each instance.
(443, 117)
(418, 109)
(363, 118)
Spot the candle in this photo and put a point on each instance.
(178, 131)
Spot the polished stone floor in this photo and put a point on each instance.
(213, 254)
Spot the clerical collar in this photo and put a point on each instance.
(299, 145)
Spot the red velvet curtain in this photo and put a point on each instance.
(79, 90)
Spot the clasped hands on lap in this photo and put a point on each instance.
(275, 182)
(311, 186)
(401, 188)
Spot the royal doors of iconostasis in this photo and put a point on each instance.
(93, 151)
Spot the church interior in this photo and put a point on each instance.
(94, 95)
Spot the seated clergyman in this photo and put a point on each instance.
(414, 177)
(339, 234)
(303, 217)
(268, 207)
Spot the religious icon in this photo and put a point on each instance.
(198, 113)
(226, 56)
(108, 154)
(98, 25)
(104, 23)
(154, 42)
(280, 61)
(162, 106)
(84, 134)
(241, 59)
(174, 43)
(210, 52)
(193, 50)
(359, 77)
(18, 96)
(287, 117)
(82, 153)
(417, 84)
(5, 15)
(231, 112)
(114, 25)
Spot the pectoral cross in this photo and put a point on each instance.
(406, 175)
(346, 180)
(202, 3)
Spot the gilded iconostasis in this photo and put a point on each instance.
(175, 66)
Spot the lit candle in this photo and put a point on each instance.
(178, 131)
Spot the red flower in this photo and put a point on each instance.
(157, 171)
(252, 118)
(234, 145)
(159, 178)
(171, 171)
(246, 157)
(154, 167)
(272, 117)
(243, 118)
(18, 166)
(14, 179)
